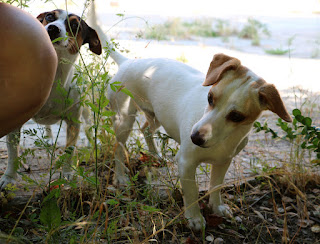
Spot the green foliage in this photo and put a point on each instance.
(182, 58)
(224, 29)
(50, 215)
(253, 30)
(301, 128)
(277, 51)
(181, 29)
(18, 3)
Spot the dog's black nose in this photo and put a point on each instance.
(197, 139)
(53, 31)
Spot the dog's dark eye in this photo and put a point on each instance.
(50, 17)
(74, 26)
(210, 99)
(235, 116)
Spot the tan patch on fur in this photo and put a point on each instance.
(220, 64)
(42, 19)
(258, 83)
(75, 39)
(217, 89)
(270, 96)
(252, 112)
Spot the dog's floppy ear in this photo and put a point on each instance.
(218, 66)
(41, 16)
(94, 41)
(270, 98)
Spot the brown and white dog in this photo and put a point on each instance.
(210, 115)
(72, 32)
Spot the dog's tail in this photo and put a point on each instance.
(105, 42)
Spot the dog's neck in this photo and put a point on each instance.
(65, 66)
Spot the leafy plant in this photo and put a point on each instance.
(301, 128)
(253, 30)
(50, 215)
(277, 51)
(181, 29)
(224, 29)
(182, 58)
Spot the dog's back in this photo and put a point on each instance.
(152, 81)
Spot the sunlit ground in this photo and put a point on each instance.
(285, 19)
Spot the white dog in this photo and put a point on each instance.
(73, 33)
(210, 116)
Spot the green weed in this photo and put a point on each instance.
(176, 28)
(253, 30)
(277, 51)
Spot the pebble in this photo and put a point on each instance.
(210, 238)
(238, 219)
(315, 229)
(218, 241)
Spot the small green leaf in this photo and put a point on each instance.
(116, 83)
(257, 124)
(105, 103)
(299, 118)
(113, 87)
(108, 113)
(307, 121)
(296, 112)
(93, 107)
(112, 202)
(126, 91)
(75, 120)
(284, 126)
(58, 39)
(108, 129)
(50, 214)
(149, 208)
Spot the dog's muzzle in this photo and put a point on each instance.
(197, 139)
(53, 31)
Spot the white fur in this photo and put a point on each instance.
(171, 94)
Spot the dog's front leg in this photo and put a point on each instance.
(88, 123)
(13, 140)
(73, 130)
(187, 170)
(217, 176)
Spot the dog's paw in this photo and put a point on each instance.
(5, 180)
(197, 223)
(222, 210)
